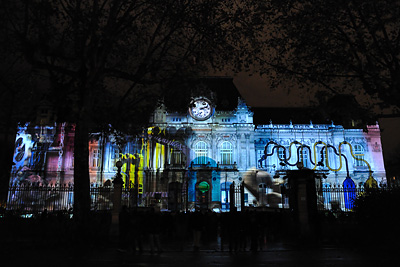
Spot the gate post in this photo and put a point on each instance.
(116, 200)
(232, 203)
(242, 208)
(303, 202)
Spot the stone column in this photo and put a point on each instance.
(303, 203)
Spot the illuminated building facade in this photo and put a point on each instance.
(192, 158)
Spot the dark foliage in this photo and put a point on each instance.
(378, 216)
(345, 46)
(105, 63)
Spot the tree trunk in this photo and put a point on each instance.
(81, 168)
(6, 155)
(8, 134)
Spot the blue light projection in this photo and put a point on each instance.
(198, 173)
(349, 192)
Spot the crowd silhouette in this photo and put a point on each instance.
(230, 231)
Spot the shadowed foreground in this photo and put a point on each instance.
(247, 239)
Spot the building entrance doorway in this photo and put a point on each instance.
(175, 196)
(203, 191)
(225, 196)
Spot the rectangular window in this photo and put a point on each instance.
(281, 153)
(304, 157)
(270, 160)
(226, 158)
(226, 153)
(201, 151)
(96, 156)
(359, 161)
(176, 157)
(359, 156)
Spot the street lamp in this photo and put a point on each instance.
(118, 177)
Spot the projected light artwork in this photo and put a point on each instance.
(304, 152)
(185, 163)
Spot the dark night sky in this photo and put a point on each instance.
(258, 94)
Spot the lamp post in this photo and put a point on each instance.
(226, 191)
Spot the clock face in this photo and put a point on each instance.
(200, 109)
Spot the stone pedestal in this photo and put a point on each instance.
(117, 199)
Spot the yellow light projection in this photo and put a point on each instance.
(132, 170)
(355, 156)
(156, 151)
(159, 156)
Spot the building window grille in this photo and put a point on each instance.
(226, 153)
(359, 155)
(333, 159)
(304, 157)
(201, 151)
(281, 153)
(96, 156)
(176, 157)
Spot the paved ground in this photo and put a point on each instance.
(274, 254)
(309, 257)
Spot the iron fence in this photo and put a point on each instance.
(35, 198)
(337, 197)
(332, 197)
(31, 198)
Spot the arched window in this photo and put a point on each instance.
(226, 153)
(201, 151)
(358, 151)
